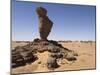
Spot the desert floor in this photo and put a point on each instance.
(85, 59)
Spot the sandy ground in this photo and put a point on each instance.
(85, 59)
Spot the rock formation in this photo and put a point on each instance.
(27, 54)
(45, 24)
(22, 55)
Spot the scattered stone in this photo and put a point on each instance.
(52, 63)
(39, 62)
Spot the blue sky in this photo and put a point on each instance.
(71, 22)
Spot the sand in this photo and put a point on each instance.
(85, 59)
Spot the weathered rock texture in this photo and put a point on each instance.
(45, 24)
(22, 55)
(27, 54)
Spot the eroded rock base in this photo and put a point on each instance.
(23, 55)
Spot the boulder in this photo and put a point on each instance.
(52, 63)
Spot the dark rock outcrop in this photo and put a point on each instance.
(17, 59)
(27, 54)
(21, 56)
